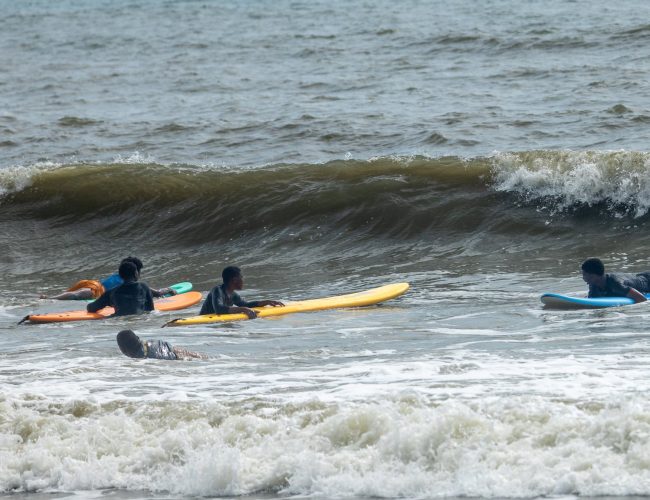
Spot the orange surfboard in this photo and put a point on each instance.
(173, 303)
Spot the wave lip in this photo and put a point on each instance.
(618, 179)
(19, 178)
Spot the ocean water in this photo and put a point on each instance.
(478, 150)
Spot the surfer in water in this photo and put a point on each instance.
(134, 347)
(223, 299)
(131, 297)
(93, 289)
(601, 284)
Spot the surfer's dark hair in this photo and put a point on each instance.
(128, 271)
(130, 344)
(230, 273)
(593, 266)
(138, 263)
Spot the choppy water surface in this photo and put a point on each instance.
(246, 83)
(479, 151)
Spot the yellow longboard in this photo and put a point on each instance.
(359, 299)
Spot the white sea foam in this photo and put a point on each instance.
(17, 178)
(497, 447)
(457, 422)
(573, 178)
(135, 158)
(459, 372)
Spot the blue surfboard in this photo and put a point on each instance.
(558, 301)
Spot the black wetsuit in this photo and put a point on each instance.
(218, 301)
(619, 284)
(132, 297)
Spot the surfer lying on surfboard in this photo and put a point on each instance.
(131, 297)
(93, 289)
(223, 299)
(132, 346)
(601, 284)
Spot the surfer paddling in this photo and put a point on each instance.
(223, 299)
(134, 347)
(93, 289)
(131, 297)
(601, 284)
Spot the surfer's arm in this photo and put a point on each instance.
(636, 296)
(148, 301)
(219, 301)
(184, 354)
(98, 304)
(162, 292)
(238, 301)
(274, 303)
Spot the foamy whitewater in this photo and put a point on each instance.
(479, 151)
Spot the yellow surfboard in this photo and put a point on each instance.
(173, 303)
(359, 299)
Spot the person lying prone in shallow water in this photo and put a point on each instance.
(134, 347)
(223, 299)
(634, 286)
(93, 289)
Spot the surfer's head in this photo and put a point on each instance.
(130, 344)
(138, 263)
(128, 271)
(593, 271)
(232, 277)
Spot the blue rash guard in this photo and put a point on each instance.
(113, 281)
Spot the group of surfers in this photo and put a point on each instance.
(124, 292)
(128, 295)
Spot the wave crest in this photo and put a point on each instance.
(395, 197)
(619, 179)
